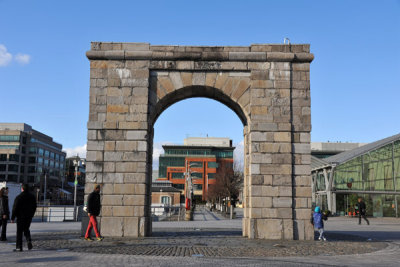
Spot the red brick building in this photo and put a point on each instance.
(198, 156)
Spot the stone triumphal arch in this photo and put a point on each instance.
(267, 86)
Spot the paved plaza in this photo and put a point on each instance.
(210, 239)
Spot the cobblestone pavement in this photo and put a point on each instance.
(190, 245)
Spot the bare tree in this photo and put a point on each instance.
(228, 184)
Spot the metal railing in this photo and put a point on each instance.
(57, 213)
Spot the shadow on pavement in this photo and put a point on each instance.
(194, 232)
(48, 259)
(362, 235)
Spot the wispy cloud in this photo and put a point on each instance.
(238, 154)
(5, 57)
(22, 59)
(157, 151)
(79, 150)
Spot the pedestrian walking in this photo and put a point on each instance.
(23, 209)
(93, 209)
(4, 212)
(317, 219)
(361, 210)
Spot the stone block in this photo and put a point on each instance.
(275, 169)
(126, 145)
(123, 211)
(303, 191)
(282, 180)
(106, 189)
(140, 189)
(131, 226)
(269, 229)
(116, 178)
(124, 189)
(109, 167)
(247, 56)
(282, 137)
(302, 148)
(260, 202)
(302, 169)
(282, 202)
(135, 178)
(94, 166)
(255, 213)
(106, 211)
(285, 158)
(136, 135)
(270, 213)
(111, 200)
(302, 214)
(199, 78)
(111, 226)
(288, 231)
(126, 167)
(261, 158)
(109, 145)
(134, 200)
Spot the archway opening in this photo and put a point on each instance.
(196, 141)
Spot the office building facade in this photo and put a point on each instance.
(29, 156)
(201, 157)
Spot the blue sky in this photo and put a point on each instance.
(44, 74)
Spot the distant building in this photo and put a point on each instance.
(200, 156)
(29, 156)
(324, 150)
(371, 171)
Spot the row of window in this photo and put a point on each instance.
(9, 138)
(31, 169)
(202, 152)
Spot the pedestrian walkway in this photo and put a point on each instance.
(204, 242)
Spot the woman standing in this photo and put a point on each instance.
(4, 212)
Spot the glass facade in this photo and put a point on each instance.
(374, 176)
(378, 170)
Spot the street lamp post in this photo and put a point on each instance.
(45, 186)
(189, 190)
(77, 163)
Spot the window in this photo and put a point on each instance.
(23, 159)
(212, 164)
(51, 164)
(41, 151)
(32, 160)
(12, 178)
(9, 138)
(57, 157)
(31, 179)
(3, 157)
(196, 164)
(40, 160)
(14, 157)
(24, 140)
(197, 187)
(51, 155)
(32, 169)
(46, 162)
(197, 175)
(32, 150)
(211, 176)
(46, 153)
(166, 200)
(23, 149)
(3, 167)
(13, 168)
(179, 186)
(177, 175)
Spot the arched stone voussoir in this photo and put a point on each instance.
(196, 91)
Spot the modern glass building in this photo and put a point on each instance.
(371, 172)
(201, 158)
(29, 156)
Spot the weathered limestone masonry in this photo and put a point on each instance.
(267, 86)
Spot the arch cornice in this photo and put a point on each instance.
(255, 53)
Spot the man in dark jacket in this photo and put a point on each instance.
(361, 210)
(24, 209)
(93, 209)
